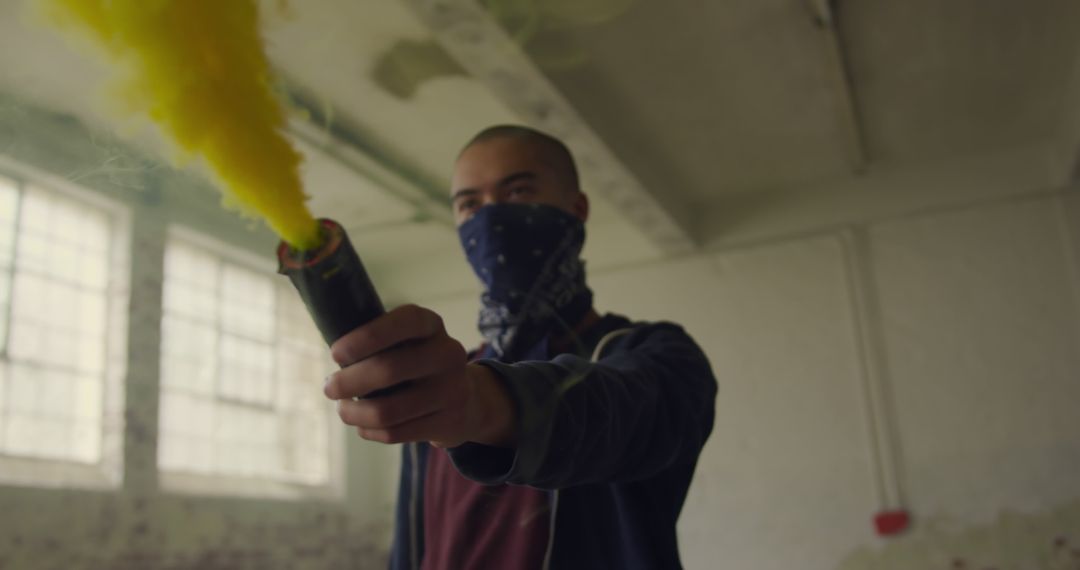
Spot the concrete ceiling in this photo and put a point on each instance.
(679, 110)
(717, 98)
(943, 79)
(709, 98)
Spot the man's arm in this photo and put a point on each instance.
(550, 424)
(638, 411)
(442, 398)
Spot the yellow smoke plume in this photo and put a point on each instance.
(198, 70)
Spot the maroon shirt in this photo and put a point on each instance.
(468, 526)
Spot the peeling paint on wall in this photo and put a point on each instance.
(543, 28)
(67, 530)
(408, 64)
(1014, 541)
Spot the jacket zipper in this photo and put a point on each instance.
(414, 500)
(551, 530)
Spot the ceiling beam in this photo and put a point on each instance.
(838, 69)
(844, 91)
(329, 132)
(483, 48)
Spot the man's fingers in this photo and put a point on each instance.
(436, 425)
(407, 322)
(418, 400)
(393, 366)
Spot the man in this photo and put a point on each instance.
(534, 452)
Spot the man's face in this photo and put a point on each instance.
(511, 170)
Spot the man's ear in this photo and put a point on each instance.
(580, 206)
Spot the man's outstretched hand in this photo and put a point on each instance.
(446, 400)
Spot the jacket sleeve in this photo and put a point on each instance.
(646, 406)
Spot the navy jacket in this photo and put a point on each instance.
(614, 442)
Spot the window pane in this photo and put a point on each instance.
(33, 252)
(86, 441)
(171, 454)
(264, 395)
(54, 393)
(191, 277)
(94, 232)
(247, 303)
(188, 355)
(36, 241)
(187, 415)
(89, 319)
(56, 335)
(22, 395)
(57, 323)
(246, 373)
(300, 377)
(86, 398)
(36, 436)
(93, 270)
(66, 222)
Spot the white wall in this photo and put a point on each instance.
(980, 317)
(975, 313)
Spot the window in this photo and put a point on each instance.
(61, 360)
(241, 373)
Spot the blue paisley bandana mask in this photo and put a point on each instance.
(528, 258)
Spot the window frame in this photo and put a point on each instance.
(108, 472)
(225, 485)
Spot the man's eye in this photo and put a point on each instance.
(521, 190)
(466, 205)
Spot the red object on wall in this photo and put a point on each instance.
(891, 523)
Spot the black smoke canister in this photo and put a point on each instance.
(332, 283)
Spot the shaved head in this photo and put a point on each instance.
(514, 164)
(552, 149)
